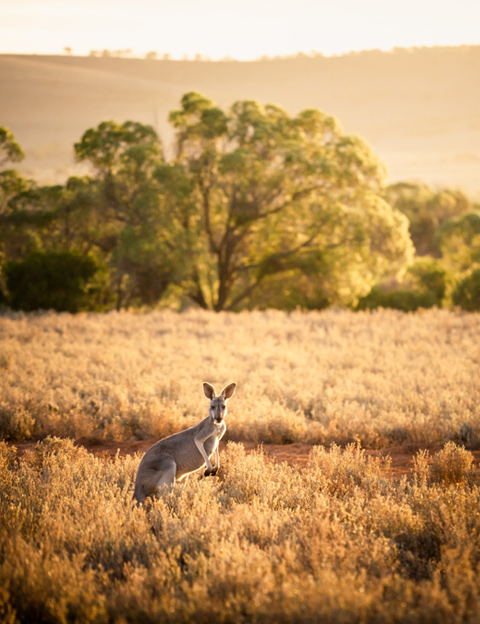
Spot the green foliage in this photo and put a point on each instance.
(467, 292)
(428, 275)
(137, 230)
(426, 211)
(460, 242)
(459, 239)
(113, 147)
(11, 184)
(146, 265)
(53, 280)
(10, 150)
(423, 286)
(18, 230)
(398, 299)
(276, 198)
(257, 209)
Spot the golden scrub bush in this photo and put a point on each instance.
(334, 541)
(382, 378)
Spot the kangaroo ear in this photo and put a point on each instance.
(228, 391)
(209, 390)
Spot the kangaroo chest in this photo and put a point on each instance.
(212, 441)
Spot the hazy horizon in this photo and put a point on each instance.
(220, 29)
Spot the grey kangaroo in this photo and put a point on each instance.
(174, 458)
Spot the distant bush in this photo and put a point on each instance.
(404, 300)
(429, 277)
(427, 210)
(467, 292)
(50, 281)
(424, 286)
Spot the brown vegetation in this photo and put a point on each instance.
(383, 378)
(337, 540)
(263, 542)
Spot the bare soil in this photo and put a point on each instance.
(295, 455)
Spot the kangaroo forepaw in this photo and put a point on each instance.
(210, 473)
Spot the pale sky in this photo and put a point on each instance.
(244, 29)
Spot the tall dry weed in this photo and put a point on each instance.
(320, 377)
(263, 542)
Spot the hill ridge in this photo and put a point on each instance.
(418, 108)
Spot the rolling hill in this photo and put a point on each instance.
(419, 109)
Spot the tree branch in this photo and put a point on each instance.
(280, 255)
(205, 191)
(198, 296)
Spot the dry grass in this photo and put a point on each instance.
(382, 378)
(334, 542)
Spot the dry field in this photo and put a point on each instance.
(330, 539)
(383, 378)
(334, 542)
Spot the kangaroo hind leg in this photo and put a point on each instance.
(167, 472)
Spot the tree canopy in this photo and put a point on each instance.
(10, 150)
(256, 208)
(427, 210)
(267, 195)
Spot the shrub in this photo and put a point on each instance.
(399, 299)
(344, 471)
(383, 378)
(261, 543)
(467, 292)
(451, 465)
(421, 467)
(16, 424)
(50, 280)
(424, 286)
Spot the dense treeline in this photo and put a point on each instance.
(255, 209)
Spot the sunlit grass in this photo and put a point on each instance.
(336, 541)
(381, 378)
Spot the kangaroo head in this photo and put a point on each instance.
(218, 404)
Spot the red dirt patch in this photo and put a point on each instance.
(294, 454)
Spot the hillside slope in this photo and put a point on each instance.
(419, 109)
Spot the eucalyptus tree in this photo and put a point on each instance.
(10, 150)
(427, 210)
(459, 239)
(132, 229)
(13, 238)
(274, 205)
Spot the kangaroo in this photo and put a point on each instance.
(174, 458)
